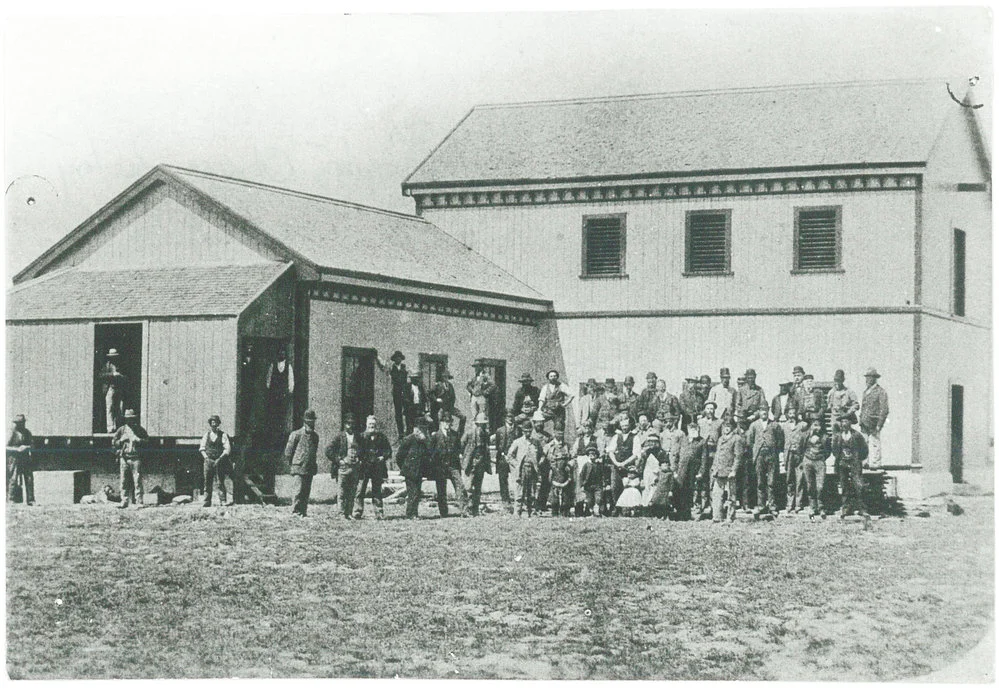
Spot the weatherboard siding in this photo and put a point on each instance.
(50, 376)
(164, 227)
(190, 374)
(542, 246)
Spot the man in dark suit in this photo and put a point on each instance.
(527, 390)
(414, 460)
(416, 401)
(445, 453)
(300, 453)
(399, 376)
(375, 452)
(850, 450)
(475, 454)
(344, 453)
(503, 439)
(443, 397)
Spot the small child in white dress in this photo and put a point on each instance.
(631, 497)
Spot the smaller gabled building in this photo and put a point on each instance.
(202, 282)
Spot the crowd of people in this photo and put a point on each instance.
(708, 452)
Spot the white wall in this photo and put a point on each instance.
(541, 245)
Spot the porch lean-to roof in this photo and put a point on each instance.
(154, 293)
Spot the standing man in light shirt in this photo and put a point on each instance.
(585, 406)
(723, 396)
(873, 414)
(216, 449)
(555, 399)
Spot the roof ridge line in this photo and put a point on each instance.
(707, 92)
(290, 192)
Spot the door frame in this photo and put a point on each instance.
(345, 352)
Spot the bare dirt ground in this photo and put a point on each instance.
(181, 591)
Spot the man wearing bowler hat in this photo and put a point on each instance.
(723, 395)
(647, 398)
(414, 461)
(300, 453)
(19, 462)
(627, 402)
(345, 454)
(443, 397)
(216, 450)
(127, 441)
(873, 414)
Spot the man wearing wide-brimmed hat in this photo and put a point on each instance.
(19, 470)
(128, 441)
(527, 390)
(216, 450)
(113, 390)
(873, 414)
(443, 397)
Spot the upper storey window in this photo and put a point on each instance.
(603, 245)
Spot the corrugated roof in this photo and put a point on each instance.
(706, 131)
(165, 292)
(351, 237)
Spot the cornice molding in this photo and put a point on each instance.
(666, 191)
(386, 299)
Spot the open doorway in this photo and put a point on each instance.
(117, 373)
(957, 433)
(357, 384)
(266, 387)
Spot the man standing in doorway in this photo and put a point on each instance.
(873, 414)
(443, 398)
(128, 440)
(300, 453)
(416, 401)
(399, 375)
(480, 389)
(113, 388)
(280, 388)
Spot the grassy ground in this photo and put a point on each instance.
(94, 592)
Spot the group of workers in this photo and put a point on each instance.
(709, 452)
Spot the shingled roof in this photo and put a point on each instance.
(350, 237)
(810, 126)
(166, 292)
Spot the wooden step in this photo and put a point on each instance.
(263, 497)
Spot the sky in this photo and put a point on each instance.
(348, 105)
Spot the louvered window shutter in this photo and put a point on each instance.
(708, 250)
(603, 245)
(817, 239)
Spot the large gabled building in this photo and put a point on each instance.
(199, 280)
(831, 226)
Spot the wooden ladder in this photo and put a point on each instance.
(255, 483)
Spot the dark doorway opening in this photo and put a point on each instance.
(496, 368)
(117, 378)
(264, 401)
(957, 433)
(357, 384)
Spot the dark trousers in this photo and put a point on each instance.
(544, 488)
(745, 481)
(414, 491)
(376, 495)
(400, 414)
(814, 471)
(767, 465)
(503, 471)
(347, 490)
(525, 494)
(478, 473)
(454, 476)
(851, 486)
(303, 488)
(215, 474)
(702, 483)
(20, 474)
(562, 499)
(683, 489)
(796, 484)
